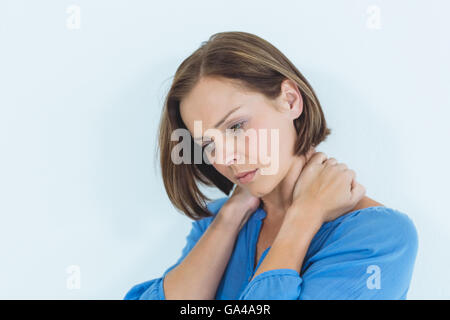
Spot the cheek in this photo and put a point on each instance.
(271, 143)
(257, 144)
(279, 141)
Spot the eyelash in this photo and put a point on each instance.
(231, 127)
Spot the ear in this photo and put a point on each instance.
(292, 99)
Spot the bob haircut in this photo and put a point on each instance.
(253, 64)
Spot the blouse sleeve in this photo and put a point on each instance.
(370, 255)
(153, 289)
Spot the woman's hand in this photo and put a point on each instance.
(328, 186)
(239, 207)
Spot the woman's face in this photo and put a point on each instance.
(267, 137)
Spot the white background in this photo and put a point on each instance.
(79, 109)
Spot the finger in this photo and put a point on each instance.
(310, 153)
(357, 191)
(352, 175)
(318, 158)
(331, 161)
(341, 166)
(347, 177)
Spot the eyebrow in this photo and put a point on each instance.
(221, 121)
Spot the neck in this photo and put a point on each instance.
(278, 201)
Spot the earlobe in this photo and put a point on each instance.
(294, 97)
(296, 111)
(300, 105)
(295, 105)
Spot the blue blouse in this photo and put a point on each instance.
(364, 254)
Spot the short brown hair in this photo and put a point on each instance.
(256, 65)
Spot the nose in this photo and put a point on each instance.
(228, 151)
(231, 159)
(231, 154)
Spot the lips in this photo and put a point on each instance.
(243, 174)
(248, 176)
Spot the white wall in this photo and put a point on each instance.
(79, 110)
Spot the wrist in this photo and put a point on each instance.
(300, 224)
(310, 210)
(228, 218)
(303, 216)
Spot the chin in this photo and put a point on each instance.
(259, 189)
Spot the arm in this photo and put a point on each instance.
(190, 277)
(196, 279)
(293, 239)
(323, 191)
(278, 276)
(370, 254)
(377, 241)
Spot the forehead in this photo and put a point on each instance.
(210, 100)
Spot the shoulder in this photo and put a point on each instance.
(365, 249)
(384, 220)
(377, 227)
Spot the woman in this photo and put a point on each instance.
(298, 226)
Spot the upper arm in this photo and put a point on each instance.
(370, 255)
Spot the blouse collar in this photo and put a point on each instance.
(260, 213)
